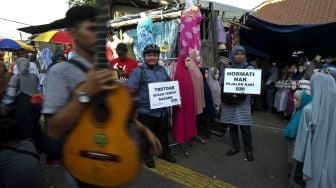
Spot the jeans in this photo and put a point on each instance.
(246, 134)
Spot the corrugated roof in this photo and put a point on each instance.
(292, 12)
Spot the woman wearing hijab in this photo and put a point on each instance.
(184, 116)
(4, 77)
(20, 89)
(197, 79)
(208, 115)
(316, 137)
(239, 115)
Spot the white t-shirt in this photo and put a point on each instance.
(32, 69)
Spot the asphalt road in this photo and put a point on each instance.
(207, 165)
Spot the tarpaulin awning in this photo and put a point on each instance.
(57, 24)
(281, 40)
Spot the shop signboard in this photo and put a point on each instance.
(164, 94)
(242, 81)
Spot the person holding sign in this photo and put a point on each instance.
(154, 119)
(238, 115)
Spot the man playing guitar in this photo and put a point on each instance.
(69, 90)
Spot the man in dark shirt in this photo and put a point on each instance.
(19, 163)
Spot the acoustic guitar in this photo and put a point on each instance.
(99, 150)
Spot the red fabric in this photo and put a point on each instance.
(67, 51)
(37, 99)
(184, 117)
(109, 53)
(128, 62)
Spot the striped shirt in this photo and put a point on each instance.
(62, 79)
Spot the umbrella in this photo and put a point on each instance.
(11, 45)
(54, 37)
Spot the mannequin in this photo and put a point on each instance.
(208, 115)
(184, 116)
(114, 44)
(197, 80)
(129, 42)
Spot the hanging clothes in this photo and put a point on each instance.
(184, 116)
(164, 33)
(197, 79)
(190, 35)
(316, 137)
(145, 30)
(221, 34)
(283, 100)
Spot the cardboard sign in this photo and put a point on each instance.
(164, 94)
(242, 81)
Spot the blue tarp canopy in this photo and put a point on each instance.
(282, 40)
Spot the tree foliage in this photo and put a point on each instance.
(81, 2)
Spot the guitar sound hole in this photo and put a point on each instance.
(101, 110)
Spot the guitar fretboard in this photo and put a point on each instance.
(101, 31)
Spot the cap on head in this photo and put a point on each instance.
(151, 48)
(77, 14)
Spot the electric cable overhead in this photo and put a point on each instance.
(15, 21)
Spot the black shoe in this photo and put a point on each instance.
(168, 158)
(249, 156)
(150, 163)
(232, 152)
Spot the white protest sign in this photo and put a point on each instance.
(164, 94)
(247, 81)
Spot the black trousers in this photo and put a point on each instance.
(159, 126)
(246, 134)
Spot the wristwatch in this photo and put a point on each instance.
(82, 97)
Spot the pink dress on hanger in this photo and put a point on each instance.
(197, 79)
(190, 32)
(184, 117)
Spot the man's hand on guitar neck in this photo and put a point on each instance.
(97, 82)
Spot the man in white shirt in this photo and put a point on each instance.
(32, 69)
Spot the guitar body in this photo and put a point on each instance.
(102, 153)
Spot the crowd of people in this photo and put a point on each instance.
(61, 91)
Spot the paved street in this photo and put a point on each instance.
(208, 166)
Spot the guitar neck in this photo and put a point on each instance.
(101, 31)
